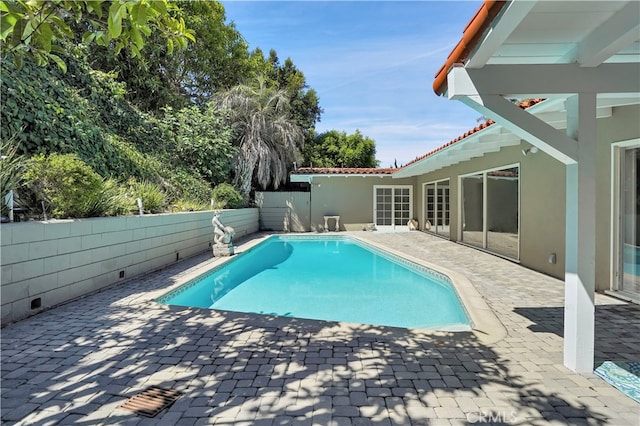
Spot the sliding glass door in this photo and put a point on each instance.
(626, 205)
(490, 210)
(473, 210)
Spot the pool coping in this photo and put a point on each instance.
(485, 324)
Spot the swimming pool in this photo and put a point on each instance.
(333, 278)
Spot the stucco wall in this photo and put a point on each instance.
(624, 125)
(47, 263)
(350, 197)
(542, 186)
(542, 221)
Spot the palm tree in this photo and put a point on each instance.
(267, 135)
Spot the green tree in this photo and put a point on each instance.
(337, 149)
(218, 59)
(305, 108)
(267, 137)
(36, 28)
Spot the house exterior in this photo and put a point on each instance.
(552, 182)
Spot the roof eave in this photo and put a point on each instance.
(471, 35)
(418, 168)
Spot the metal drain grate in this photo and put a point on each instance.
(150, 402)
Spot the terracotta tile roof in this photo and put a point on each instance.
(524, 105)
(470, 37)
(343, 171)
(388, 171)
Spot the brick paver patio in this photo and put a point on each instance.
(77, 363)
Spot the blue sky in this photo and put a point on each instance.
(372, 64)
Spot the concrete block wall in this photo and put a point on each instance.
(44, 264)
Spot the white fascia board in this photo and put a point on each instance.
(301, 178)
(309, 178)
(542, 80)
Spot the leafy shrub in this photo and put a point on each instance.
(187, 186)
(200, 140)
(189, 206)
(154, 199)
(226, 196)
(65, 183)
(11, 167)
(109, 200)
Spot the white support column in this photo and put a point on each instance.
(579, 308)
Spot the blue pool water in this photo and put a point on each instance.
(631, 260)
(333, 278)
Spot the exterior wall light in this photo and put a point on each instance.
(531, 150)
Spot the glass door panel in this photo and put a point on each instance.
(502, 212)
(630, 226)
(490, 211)
(401, 208)
(384, 207)
(473, 210)
(437, 213)
(442, 217)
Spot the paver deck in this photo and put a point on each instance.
(77, 363)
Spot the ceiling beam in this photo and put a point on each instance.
(622, 29)
(543, 80)
(505, 138)
(525, 125)
(560, 117)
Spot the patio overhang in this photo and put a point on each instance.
(494, 137)
(586, 56)
(483, 89)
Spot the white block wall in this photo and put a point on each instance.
(58, 261)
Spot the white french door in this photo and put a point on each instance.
(436, 207)
(392, 206)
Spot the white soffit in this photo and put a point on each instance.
(487, 140)
(588, 33)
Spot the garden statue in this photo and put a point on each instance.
(222, 236)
